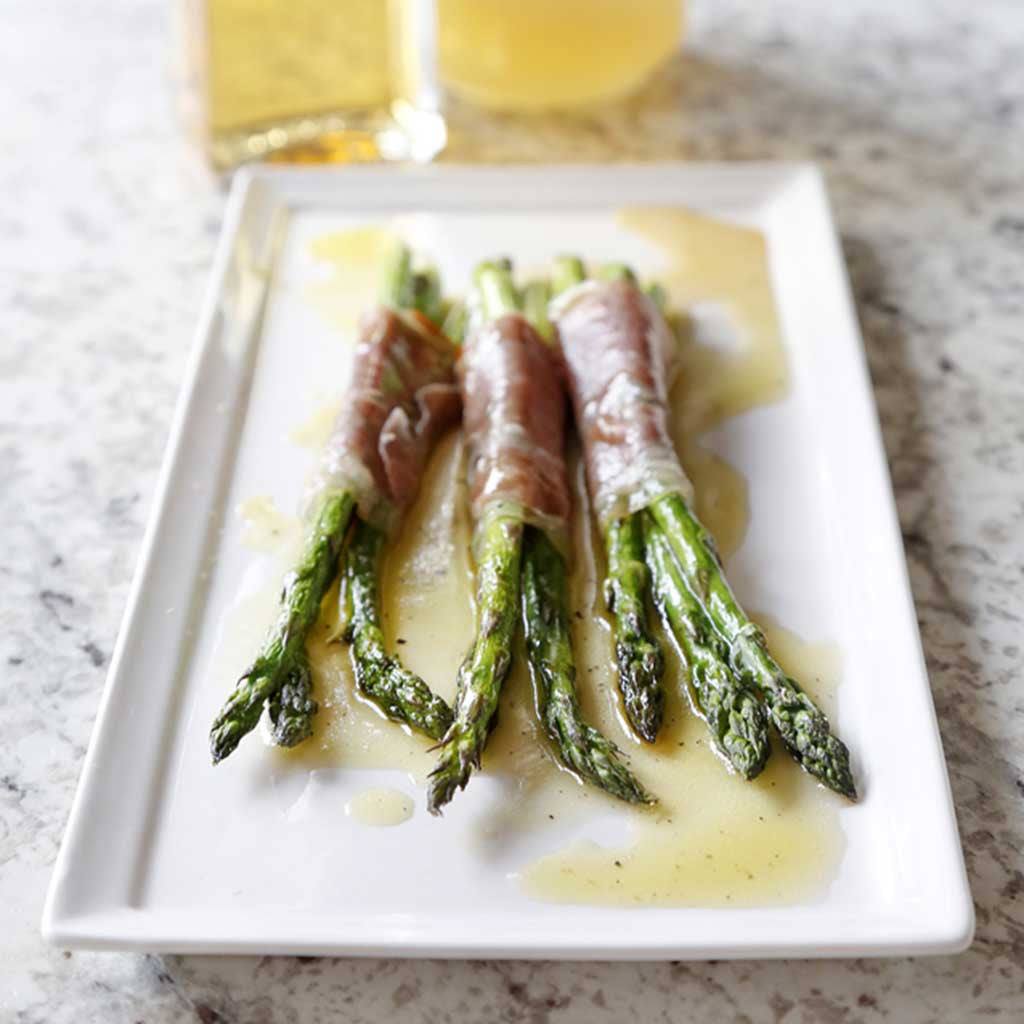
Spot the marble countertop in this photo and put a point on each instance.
(916, 112)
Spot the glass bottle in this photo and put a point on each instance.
(552, 54)
(323, 80)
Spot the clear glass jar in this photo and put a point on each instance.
(319, 80)
(552, 54)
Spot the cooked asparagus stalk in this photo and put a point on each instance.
(638, 654)
(280, 677)
(568, 271)
(699, 601)
(536, 297)
(499, 539)
(802, 725)
(729, 706)
(503, 559)
(280, 673)
(454, 325)
(483, 672)
(581, 747)
(402, 695)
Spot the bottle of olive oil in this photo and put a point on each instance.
(323, 80)
(522, 55)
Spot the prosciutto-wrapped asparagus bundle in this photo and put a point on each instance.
(401, 397)
(618, 349)
(514, 422)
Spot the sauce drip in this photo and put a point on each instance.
(713, 839)
(731, 354)
(267, 528)
(380, 808)
(350, 262)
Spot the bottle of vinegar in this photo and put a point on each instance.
(550, 54)
(308, 79)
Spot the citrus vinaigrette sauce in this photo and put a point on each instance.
(380, 808)
(713, 839)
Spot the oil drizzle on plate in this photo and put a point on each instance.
(350, 262)
(267, 528)
(713, 839)
(315, 429)
(381, 808)
(731, 356)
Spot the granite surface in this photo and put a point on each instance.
(107, 226)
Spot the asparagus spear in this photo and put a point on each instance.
(802, 725)
(482, 673)
(500, 539)
(616, 272)
(638, 654)
(454, 325)
(280, 674)
(427, 297)
(280, 677)
(402, 695)
(536, 297)
(581, 747)
(537, 575)
(548, 640)
(567, 272)
(728, 705)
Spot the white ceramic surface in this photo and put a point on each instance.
(159, 851)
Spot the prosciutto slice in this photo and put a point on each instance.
(618, 351)
(401, 398)
(514, 422)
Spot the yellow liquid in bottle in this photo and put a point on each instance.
(272, 59)
(309, 80)
(539, 54)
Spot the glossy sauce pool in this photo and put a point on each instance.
(713, 839)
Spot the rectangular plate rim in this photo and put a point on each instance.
(129, 928)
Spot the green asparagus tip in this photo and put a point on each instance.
(728, 705)
(803, 726)
(536, 297)
(617, 272)
(567, 272)
(545, 613)
(402, 695)
(398, 288)
(292, 708)
(427, 291)
(223, 740)
(445, 781)
(455, 323)
(241, 713)
(279, 678)
(638, 654)
(657, 294)
(500, 264)
(482, 673)
(495, 291)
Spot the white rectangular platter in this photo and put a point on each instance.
(163, 852)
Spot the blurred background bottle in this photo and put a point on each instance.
(354, 80)
(318, 80)
(552, 54)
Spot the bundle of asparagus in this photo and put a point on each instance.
(617, 348)
(514, 413)
(401, 398)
